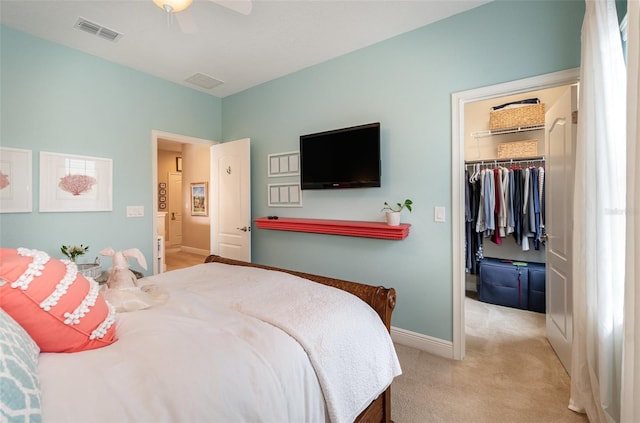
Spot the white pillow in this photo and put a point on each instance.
(19, 383)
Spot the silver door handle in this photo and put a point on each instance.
(245, 228)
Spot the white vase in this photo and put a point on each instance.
(393, 218)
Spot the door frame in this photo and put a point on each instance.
(458, 101)
(155, 135)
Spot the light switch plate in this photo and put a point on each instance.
(135, 211)
(439, 214)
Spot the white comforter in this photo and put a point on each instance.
(228, 346)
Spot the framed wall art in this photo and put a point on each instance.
(284, 164)
(162, 195)
(15, 180)
(285, 195)
(199, 199)
(72, 183)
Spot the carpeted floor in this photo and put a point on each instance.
(510, 374)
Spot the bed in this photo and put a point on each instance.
(234, 342)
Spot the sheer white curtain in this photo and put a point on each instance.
(599, 218)
(630, 412)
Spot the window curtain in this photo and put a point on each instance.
(630, 406)
(599, 218)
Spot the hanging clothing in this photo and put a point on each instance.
(489, 202)
(473, 239)
(467, 221)
(504, 202)
(497, 194)
(534, 209)
(517, 205)
(511, 220)
(541, 194)
(481, 224)
(525, 210)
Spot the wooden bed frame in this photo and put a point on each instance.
(382, 300)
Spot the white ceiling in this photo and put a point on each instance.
(275, 39)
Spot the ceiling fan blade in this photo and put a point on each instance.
(186, 22)
(241, 6)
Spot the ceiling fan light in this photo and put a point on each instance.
(174, 6)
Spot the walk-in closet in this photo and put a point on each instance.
(518, 180)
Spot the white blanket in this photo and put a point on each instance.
(211, 353)
(347, 343)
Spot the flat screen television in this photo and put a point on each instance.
(341, 158)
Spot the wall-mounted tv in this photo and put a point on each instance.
(341, 158)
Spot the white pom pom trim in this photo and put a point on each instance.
(84, 306)
(40, 258)
(62, 286)
(102, 329)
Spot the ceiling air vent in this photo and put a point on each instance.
(203, 81)
(97, 30)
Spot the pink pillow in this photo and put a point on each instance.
(58, 307)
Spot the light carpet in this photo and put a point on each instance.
(510, 374)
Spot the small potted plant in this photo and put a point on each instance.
(73, 251)
(393, 211)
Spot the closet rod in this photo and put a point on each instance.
(509, 161)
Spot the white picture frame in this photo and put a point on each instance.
(283, 164)
(16, 190)
(199, 199)
(285, 195)
(74, 183)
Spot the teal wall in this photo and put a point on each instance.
(56, 99)
(405, 83)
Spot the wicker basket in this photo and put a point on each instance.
(517, 117)
(518, 149)
(89, 270)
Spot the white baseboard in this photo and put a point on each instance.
(422, 342)
(192, 250)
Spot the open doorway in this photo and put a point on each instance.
(189, 150)
(170, 192)
(507, 252)
(460, 102)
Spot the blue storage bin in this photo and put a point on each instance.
(503, 283)
(537, 276)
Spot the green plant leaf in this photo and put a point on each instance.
(399, 206)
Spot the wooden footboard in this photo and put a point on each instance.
(382, 300)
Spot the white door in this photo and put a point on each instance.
(560, 138)
(230, 202)
(175, 209)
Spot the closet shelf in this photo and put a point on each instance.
(336, 227)
(510, 160)
(490, 133)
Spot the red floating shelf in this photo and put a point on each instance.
(336, 227)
